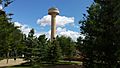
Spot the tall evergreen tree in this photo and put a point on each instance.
(42, 47)
(10, 36)
(30, 45)
(101, 30)
(67, 46)
(53, 52)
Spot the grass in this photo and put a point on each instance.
(70, 62)
(18, 67)
(46, 65)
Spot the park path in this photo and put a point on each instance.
(11, 62)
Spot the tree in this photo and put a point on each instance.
(53, 52)
(30, 45)
(9, 32)
(42, 48)
(79, 43)
(11, 37)
(101, 35)
(67, 46)
(70, 48)
(63, 44)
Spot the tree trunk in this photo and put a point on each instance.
(7, 57)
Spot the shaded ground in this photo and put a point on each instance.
(56, 66)
(20, 63)
(62, 64)
(65, 66)
(11, 62)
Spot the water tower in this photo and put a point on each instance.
(53, 12)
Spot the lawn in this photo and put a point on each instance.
(60, 64)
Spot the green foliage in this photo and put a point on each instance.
(42, 47)
(67, 46)
(53, 52)
(100, 47)
(10, 36)
(30, 46)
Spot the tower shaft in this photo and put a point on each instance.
(53, 26)
(53, 12)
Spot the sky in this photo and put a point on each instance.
(34, 14)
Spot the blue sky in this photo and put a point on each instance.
(27, 12)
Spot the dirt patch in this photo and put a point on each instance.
(11, 62)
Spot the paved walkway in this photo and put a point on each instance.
(11, 62)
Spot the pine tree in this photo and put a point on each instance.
(53, 52)
(8, 32)
(30, 45)
(67, 46)
(42, 47)
(101, 30)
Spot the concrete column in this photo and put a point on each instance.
(53, 12)
(53, 26)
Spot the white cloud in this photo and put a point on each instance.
(59, 31)
(60, 20)
(64, 32)
(24, 28)
(1, 7)
(68, 33)
(37, 34)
